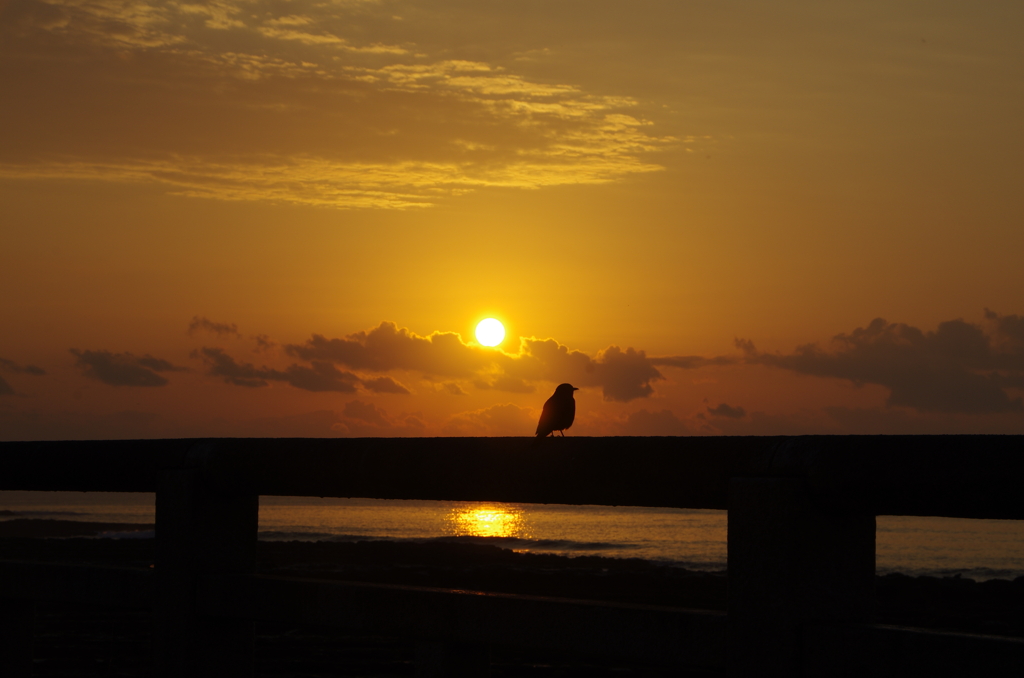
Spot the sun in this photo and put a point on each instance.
(490, 332)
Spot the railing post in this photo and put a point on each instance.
(206, 523)
(16, 630)
(792, 563)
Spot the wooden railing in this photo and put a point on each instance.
(801, 545)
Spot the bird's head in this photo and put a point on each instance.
(565, 390)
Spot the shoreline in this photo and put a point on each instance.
(953, 603)
(69, 635)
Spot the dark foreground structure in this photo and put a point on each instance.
(801, 547)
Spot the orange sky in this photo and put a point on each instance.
(285, 218)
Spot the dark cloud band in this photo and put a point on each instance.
(319, 376)
(959, 367)
(123, 369)
(623, 375)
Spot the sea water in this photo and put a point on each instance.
(691, 538)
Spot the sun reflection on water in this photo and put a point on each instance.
(487, 520)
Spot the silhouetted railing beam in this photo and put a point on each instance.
(956, 476)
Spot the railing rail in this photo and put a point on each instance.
(801, 532)
(967, 476)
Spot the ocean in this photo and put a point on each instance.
(690, 538)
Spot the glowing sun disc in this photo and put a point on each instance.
(490, 332)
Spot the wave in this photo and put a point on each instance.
(975, 573)
(128, 534)
(516, 543)
(703, 565)
(50, 528)
(279, 535)
(6, 514)
(510, 543)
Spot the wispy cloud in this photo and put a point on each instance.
(219, 15)
(12, 367)
(203, 324)
(308, 89)
(115, 23)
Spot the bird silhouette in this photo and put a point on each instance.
(559, 411)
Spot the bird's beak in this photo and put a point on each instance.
(574, 388)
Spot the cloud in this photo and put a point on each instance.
(12, 367)
(959, 367)
(745, 345)
(318, 377)
(384, 385)
(388, 347)
(622, 374)
(221, 15)
(452, 388)
(113, 24)
(724, 410)
(1008, 334)
(625, 375)
(23, 17)
(276, 32)
(123, 369)
(220, 364)
(220, 329)
(325, 108)
(264, 344)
